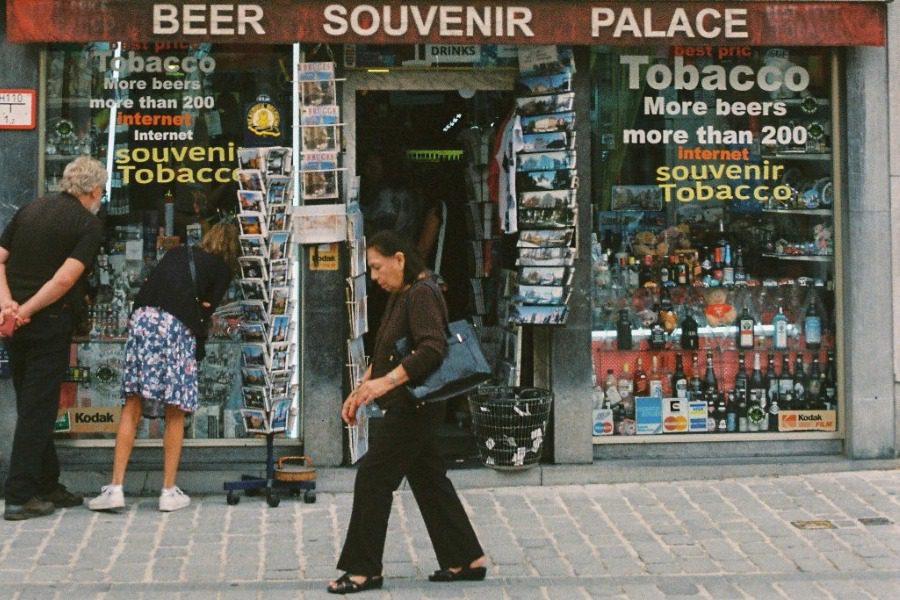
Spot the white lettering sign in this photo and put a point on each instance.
(207, 19)
(707, 23)
(366, 20)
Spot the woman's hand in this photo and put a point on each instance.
(349, 408)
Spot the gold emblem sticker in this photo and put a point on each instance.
(263, 119)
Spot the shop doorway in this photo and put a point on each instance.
(425, 134)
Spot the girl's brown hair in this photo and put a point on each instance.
(222, 239)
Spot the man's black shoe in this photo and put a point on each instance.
(62, 498)
(31, 509)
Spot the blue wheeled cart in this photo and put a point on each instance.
(280, 476)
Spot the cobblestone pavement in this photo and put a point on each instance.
(732, 538)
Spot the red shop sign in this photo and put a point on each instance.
(800, 23)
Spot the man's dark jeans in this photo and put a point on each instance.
(39, 357)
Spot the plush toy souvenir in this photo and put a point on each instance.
(718, 310)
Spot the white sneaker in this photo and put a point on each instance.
(111, 497)
(173, 499)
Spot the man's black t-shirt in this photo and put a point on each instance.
(41, 236)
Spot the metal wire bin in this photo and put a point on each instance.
(510, 425)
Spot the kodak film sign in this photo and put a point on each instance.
(807, 420)
(826, 23)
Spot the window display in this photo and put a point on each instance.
(714, 241)
(170, 121)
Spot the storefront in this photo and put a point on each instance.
(697, 187)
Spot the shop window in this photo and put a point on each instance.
(168, 121)
(714, 240)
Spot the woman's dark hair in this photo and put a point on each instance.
(387, 243)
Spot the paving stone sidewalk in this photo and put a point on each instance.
(731, 538)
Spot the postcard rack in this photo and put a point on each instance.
(252, 484)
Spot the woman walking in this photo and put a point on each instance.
(166, 335)
(406, 446)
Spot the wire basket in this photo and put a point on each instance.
(510, 424)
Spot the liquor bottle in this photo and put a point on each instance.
(757, 383)
(690, 335)
(727, 267)
(740, 377)
(721, 413)
(779, 330)
(743, 421)
(771, 378)
(812, 323)
(645, 273)
(829, 384)
(740, 275)
(756, 416)
(665, 273)
(598, 400)
(706, 266)
(785, 379)
(613, 398)
(787, 400)
(657, 338)
(640, 381)
(633, 273)
(799, 383)
(746, 323)
(655, 383)
(773, 414)
(711, 420)
(623, 331)
(625, 388)
(696, 384)
(731, 413)
(718, 267)
(814, 385)
(679, 379)
(681, 272)
(709, 377)
(666, 314)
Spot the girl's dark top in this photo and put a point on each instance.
(170, 288)
(420, 315)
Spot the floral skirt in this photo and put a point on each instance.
(160, 362)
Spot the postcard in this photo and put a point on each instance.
(547, 199)
(252, 267)
(531, 181)
(357, 257)
(251, 201)
(253, 245)
(356, 286)
(252, 223)
(255, 397)
(559, 252)
(637, 197)
(281, 410)
(542, 275)
(279, 245)
(281, 328)
(279, 273)
(318, 138)
(317, 93)
(251, 180)
(552, 160)
(278, 161)
(540, 294)
(251, 158)
(281, 297)
(278, 218)
(541, 238)
(320, 185)
(542, 105)
(551, 140)
(253, 311)
(254, 355)
(544, 84)
(281, 382)
(281, 354)
(564, 121)
(278, 190)
(315, 71)
(253, 332)
(545, 218)
(254, 289)
(538, 315)
(319, 115)
(254, 376)
(255, 420)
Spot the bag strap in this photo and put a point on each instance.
(439, 254)
(440, 298)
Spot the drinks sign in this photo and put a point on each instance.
(825, 23)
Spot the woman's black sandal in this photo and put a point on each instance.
(464, 574)
(345, 585)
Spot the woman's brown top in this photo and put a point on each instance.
(420, 315)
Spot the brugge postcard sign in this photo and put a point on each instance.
(801, 23)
